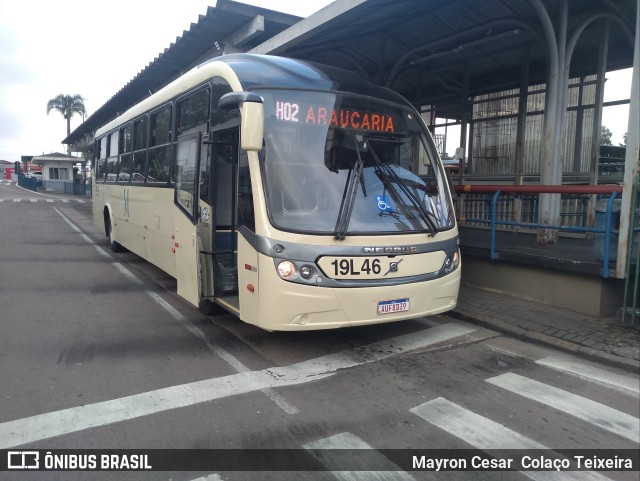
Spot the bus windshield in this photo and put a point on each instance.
(344, 164)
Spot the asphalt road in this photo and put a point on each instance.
(98, 352)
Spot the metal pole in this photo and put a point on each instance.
(632, 157)
(548, 206)
(494, 208)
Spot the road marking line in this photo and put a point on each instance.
(16, 200)
(33, 200)
(388, 471)
(222, 353)
(437, 335)
(585, 409)
(65, 421)
(483, 433)
(209, 477)
(583, 370)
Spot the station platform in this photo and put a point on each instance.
(603, 339)
(572, 254)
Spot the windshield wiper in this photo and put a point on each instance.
(390, 173)
(349, 197)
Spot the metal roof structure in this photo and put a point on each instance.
(230, 26)
(433, 52)
(439, 52)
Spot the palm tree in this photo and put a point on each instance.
(67, 105)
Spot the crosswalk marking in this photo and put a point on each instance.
(472, 428)
(601, 376)
(388, 472)
(593, 412)
(483, 433)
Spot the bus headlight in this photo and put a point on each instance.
(286, 269)
(451, 262)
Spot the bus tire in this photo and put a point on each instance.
(115, 246)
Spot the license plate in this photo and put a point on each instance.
(359, 268)
(389, 307)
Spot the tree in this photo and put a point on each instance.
(67, 105)
(605, 136)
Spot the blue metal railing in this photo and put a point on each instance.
(28, 182)
(608, 230)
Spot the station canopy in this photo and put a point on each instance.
(433, 52)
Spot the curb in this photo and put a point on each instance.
(538, 337)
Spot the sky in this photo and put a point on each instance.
(51, 47)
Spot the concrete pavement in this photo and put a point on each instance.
(606, 340)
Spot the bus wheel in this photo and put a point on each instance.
(115, 246)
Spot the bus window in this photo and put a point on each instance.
(160, 147)
(101, 162)
(188, 152)
(245, 194)
(225, 154)
(220, 119)
(112, 157)
(139, 151)
(124, 165)
(193, 111)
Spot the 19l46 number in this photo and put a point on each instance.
(348, 267)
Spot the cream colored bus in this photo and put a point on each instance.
(294, 195)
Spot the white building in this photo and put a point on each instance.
(57, 166)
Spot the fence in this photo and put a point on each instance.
(508, 207)
(28, 182)
(66, 187)
(630, 313)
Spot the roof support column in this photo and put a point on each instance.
(632, 158)
(597, 113)
(549, 209)
(465, 118)
(522, 118)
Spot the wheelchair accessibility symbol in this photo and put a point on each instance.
(384, 204)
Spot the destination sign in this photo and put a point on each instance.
(345, 118)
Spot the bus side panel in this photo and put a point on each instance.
(98, 206)
(248, 285)
(154, 214)
(187, 247)
(160, 228)
(143, 223)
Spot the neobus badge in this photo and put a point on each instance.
(390, 250)
(345, 118)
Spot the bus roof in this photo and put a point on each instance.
(261, 71)
(264, 71)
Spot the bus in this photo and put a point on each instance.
(294, 195)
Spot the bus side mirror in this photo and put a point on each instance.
(251, 117)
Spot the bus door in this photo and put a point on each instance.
(187, 245)
(223, 258)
